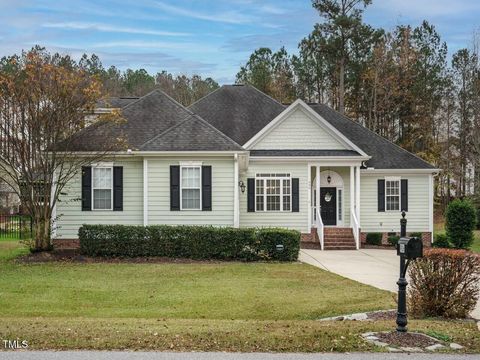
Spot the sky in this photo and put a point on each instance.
(206, 37)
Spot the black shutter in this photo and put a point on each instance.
(381, 195)
(174, 187)
(86, 188)
(206, 188)
(404, 195)
(251, 195)
(117, 188)
(295, 196)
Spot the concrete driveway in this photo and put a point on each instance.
(375, 267)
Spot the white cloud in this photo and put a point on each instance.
(231, 17)
(428, 8)
(110, 28)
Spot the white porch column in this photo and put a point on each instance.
(236, 212)
(357, 193)
(145, 192)
(309, 200)
(352, 194)
(317, 188)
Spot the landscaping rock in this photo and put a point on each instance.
(434, 347)
(411, 349)
(456, 346)
(379, 343)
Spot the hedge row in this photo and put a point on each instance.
(194, 242)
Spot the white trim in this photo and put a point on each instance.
(430, 206)
(190, 163)
(352, 194)
(236, 202)
(265, 195)
(309, 198)
(53, 220)
(391, 179)
(314, 116)
(111, 187)
(398, 171)
(317, 189)
(181, 187)
(357, 194)
(102, 164)
(145, 192)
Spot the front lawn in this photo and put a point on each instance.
(197, 306)
(439, 228)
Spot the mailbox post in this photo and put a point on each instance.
(408, 249)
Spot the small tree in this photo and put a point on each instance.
(460, 222)
(44, 101)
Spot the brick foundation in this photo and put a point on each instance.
(66, 244)
(426, 238)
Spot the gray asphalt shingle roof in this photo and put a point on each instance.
(116, 102)
(241, 111)
(151, 116)
(306, 152)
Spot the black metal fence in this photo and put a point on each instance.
(15, 227)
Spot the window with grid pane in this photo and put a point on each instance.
(191, 187)
(392, 195)
(273, 192)
(102, 188)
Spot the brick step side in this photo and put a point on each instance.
(339, 241)
(339, 236)
(339, 247)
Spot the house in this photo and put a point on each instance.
(239, 158)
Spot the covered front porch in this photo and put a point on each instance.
(334, 203)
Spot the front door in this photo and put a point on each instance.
(328, 203)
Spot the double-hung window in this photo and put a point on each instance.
(190, 187)
(273, 192)
(392, 194)
(102, 188)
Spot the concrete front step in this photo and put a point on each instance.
(339, 247)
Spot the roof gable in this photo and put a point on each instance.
(192, 134)
(300, 127)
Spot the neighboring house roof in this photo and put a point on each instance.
(304, 153)
(238, 111)
(116, 102)
(148, 118)
(241, 111)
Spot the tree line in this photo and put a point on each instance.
(398, 83)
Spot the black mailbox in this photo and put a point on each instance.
(410, 247)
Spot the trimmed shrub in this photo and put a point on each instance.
(441, 241)
(444, 283)
(416, 234)
(374, 238)
(195, 242)
(393, 239)
(460, 220)
(478, 218)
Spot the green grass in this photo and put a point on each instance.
(200, 306)
(439, 228)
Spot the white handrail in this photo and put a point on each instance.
(356, 230)
(320, 227)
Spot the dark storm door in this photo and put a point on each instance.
(328, 203)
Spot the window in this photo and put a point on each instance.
(190, 187)
(102, 188)
(339, 199)
(273, 192)
(392, 194)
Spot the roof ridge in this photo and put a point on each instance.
(205, 122)
(264, 94)
(205, 96)
(373, 132)
(166, 131)
(173, 100)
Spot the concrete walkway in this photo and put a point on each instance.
(375, 267)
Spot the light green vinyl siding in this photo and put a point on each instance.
(159, 194)
(298, 131)
(292, 220)
(389, 221)
(69, 208)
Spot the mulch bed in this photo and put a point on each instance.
(406, 339)
(382, 315)
(74, 256)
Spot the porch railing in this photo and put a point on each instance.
(356, 229)
(320, 226)
(15, 227)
